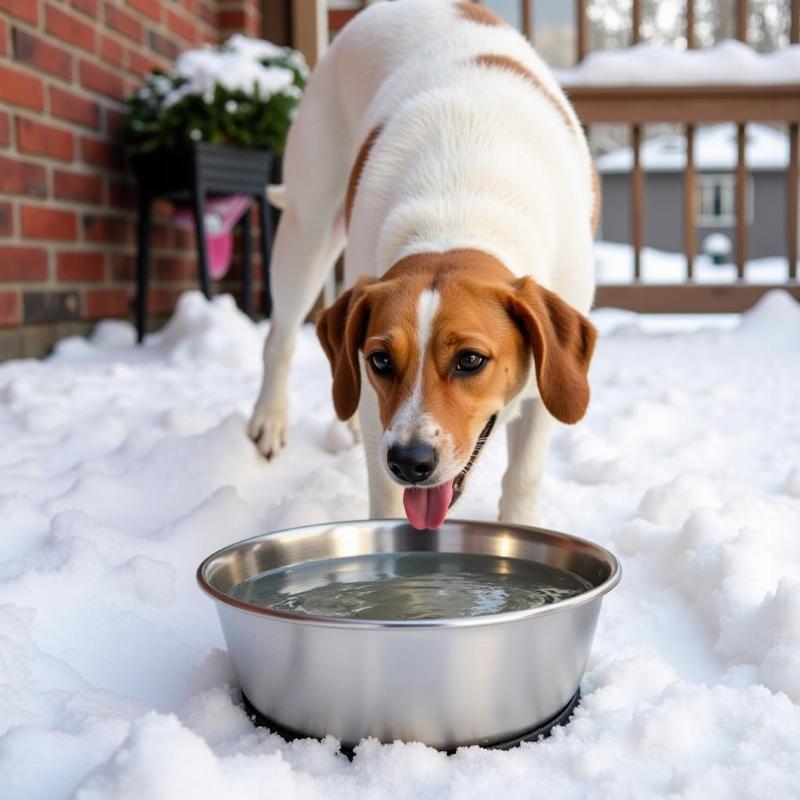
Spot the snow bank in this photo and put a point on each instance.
(651, 65)
(124, 466)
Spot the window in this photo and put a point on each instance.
(716, 206)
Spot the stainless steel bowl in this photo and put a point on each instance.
(445, 682)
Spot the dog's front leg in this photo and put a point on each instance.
(385, 496)
(306, 247)
(528, 442)
(267, 426)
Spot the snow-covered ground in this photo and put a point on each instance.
(122, 468)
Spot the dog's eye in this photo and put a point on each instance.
(470, 361)
(381, 362)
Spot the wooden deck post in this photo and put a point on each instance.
(582, 26)
(310, 28)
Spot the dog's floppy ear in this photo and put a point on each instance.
(341, 328)
(562, 340)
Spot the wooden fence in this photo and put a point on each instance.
(690, 106)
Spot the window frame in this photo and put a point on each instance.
(707, 182)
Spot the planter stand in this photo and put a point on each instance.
(194, 172)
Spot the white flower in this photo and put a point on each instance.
(231, 106)
(195, 134)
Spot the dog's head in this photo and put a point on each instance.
(448, 341)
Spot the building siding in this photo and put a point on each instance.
(664, 213)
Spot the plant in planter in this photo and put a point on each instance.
(242, 94)
(215, 125)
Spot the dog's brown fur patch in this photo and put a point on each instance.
(478, 13)
(512, 65)
(358, 168)
(482, 307)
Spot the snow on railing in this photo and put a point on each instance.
(768, 93)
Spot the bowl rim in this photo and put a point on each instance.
(442, 622)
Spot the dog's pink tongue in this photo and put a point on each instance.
(427, 508)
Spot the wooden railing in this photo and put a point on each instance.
(690, 106)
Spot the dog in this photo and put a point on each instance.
(435, 148)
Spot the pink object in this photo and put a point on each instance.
(221, 215)
(427, 508)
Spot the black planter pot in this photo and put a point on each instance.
(192, 173)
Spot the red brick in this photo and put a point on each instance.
(81, 266)
(161, 236)
(150, 8)
(180, 25)
(3, 30)
(71, 29)
(233, 20)
(40, 222)
(122, 194)
(106, 303)
(10, 313)
(44, 140)
(183, 238)
(21, 89)
(172, 268)
(112, 51)
(163, 46)
(99, 79)
(78, 187)
(162, 301)
(122, 22)
(24, 9)
(141, 64)
(105, 228)
(88, 7)
(5, 129)
(123, 266)
(209, 15)
(339, 17)
(36, 52)
(22, 263)
(22, 177)
(74, 108)
(6, 219)
(115, 121)
(100, 153)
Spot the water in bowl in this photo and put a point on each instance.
(410, 586)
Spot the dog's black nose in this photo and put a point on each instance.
(412, 463)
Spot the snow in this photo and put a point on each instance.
(647, 64)
(614, 265)
(717, 244)
(236, 67)
(123, 467)
(766, 149)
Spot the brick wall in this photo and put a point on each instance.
(67, 199)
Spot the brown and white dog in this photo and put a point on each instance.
(434, 146)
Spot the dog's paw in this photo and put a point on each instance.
(267, 429)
